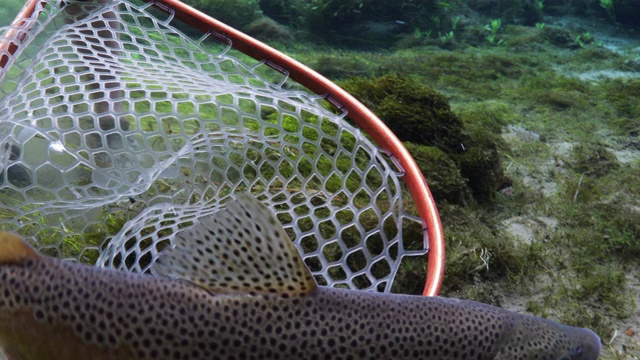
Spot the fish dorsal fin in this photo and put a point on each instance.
(242, 249)
(14, 249)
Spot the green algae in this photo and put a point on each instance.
(420, 115)
(443, 175)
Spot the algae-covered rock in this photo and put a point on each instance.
(479, 163)
(559, 36)
(413, 112)
(442, 174)
(422, 116)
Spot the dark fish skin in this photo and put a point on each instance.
(51, 309)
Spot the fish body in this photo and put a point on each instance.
(258, 303)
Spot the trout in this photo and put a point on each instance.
(233, 286)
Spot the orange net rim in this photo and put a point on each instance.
(313, 81)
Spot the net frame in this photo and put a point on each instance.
(366, 120)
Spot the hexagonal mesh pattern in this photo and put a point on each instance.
(121, 131)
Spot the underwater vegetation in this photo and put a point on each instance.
(414, 112)
(422, 116)
(379, 23)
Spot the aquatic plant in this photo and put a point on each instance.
(419, 34)
(584, 39)
(446, 37)
(493, 27)
(559, 36)
(454, 22)
(540, 26)
(608, 6)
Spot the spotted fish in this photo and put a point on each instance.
(234, 287)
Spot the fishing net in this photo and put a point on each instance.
(118, 131)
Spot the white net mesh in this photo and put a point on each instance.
(117, 131)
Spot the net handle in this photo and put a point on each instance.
(320, 85)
